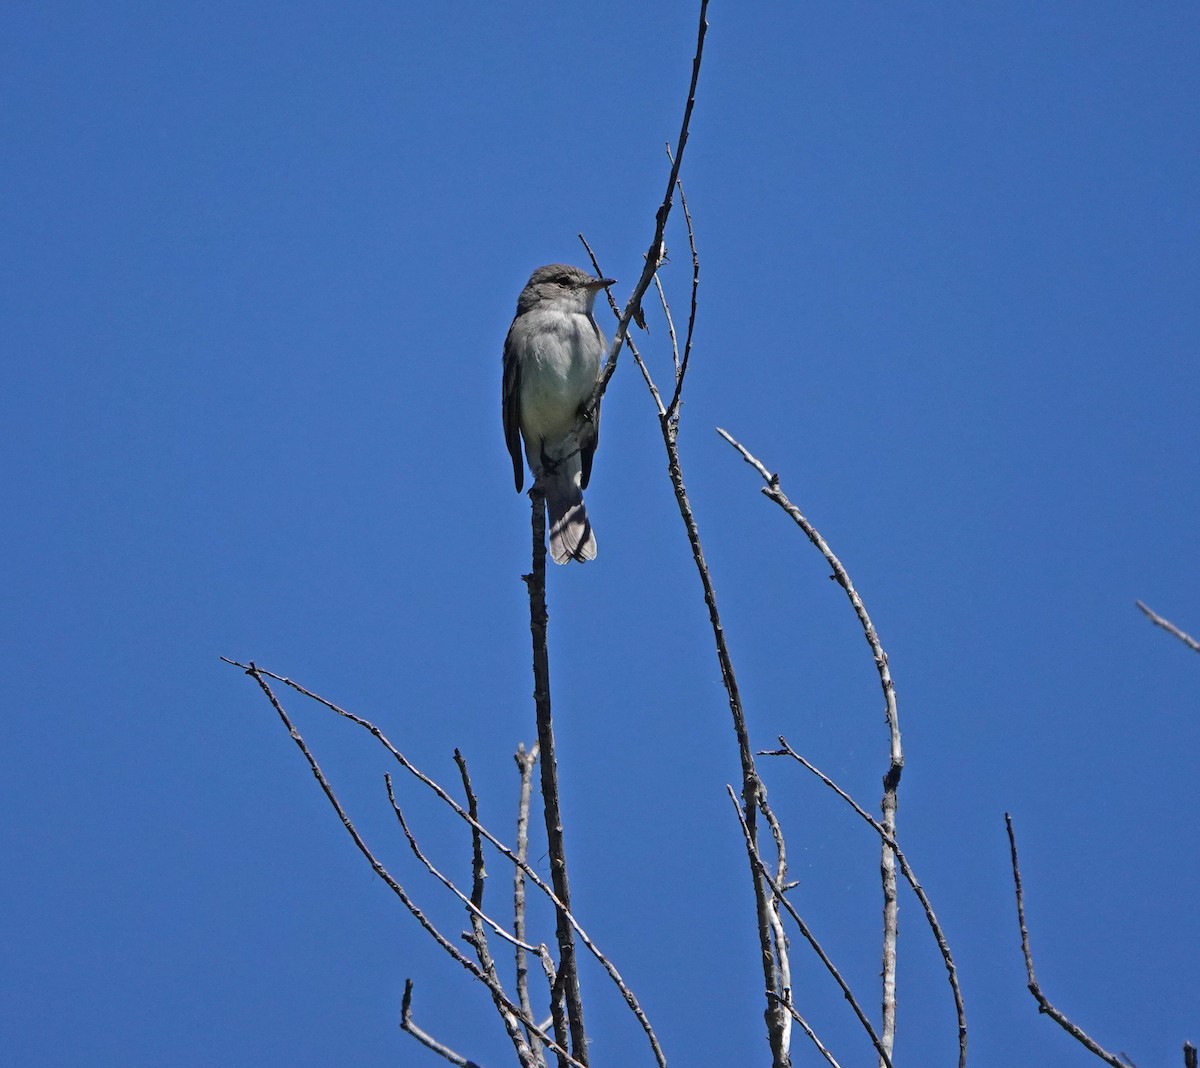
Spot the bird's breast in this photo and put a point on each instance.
(559, 365)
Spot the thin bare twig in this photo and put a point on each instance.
(1169, 627)
(681, 367)
(891, 781)
(1043, 1003)
(666, 307)
(525, 761)
(445, 797)
(809, 937)
(568, 968)
(478, 873)
(478, 937)
(654, 253)
(637, 356)
(777, 1019)
(812, 1035)
(906, 870)
(780, 885)
(473, 910)
(427, 1040)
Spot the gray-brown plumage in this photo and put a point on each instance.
(551, 361)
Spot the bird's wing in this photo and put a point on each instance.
(511, 407)
(587, 447)
(591, 434)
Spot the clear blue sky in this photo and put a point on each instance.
(258, 265)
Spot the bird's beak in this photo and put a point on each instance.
(601, 283)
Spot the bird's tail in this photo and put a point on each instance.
(571, 536)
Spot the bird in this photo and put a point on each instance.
(551, 363)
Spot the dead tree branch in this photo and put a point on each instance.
(568, 968)
(1169, 627)
(427, 1040)
(525, 761)
(1035, 989)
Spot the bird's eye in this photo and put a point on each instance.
(564, 281)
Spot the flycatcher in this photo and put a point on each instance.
(551, 362)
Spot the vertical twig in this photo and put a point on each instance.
(525, 761)
(1035, 989)
(779, 885)
(681, 366)
(568, 969)
(478, 874)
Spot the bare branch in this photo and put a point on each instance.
(1189, 1056)
(475, 912)
(891, 781)
(568, 968)
(558, 1014)
(681, 367)
(427, 1040)
(654, 253)
(776, 1018)
(260, 676)
(478, 937)
(637, 356)
(525, 761)
(779, 936)
(1169, 627)
(1044, 1005)
(478, 874)
(908, 873)
(804, 1026)
(806, 933)
(666, 307)
(445, 797)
